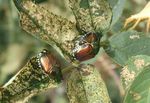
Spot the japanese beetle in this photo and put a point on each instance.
(47, 61)
(86, 46)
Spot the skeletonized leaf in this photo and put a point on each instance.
(47, 26)
(29, 81)
(84, 85)
(132, 68)
(92, 15)
(139, 91)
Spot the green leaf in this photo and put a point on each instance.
(139, 91)
(117, 11)
(84, 85)
(126, 44)
(112, 3)
(132, 68)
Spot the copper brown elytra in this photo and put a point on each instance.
(47, 61)
(86, 46)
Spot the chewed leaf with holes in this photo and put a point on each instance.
(126, 44)
(139, 91)
(47, 26)
(132, 68)
(92, 15)
(30, 80)
(85, 85)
